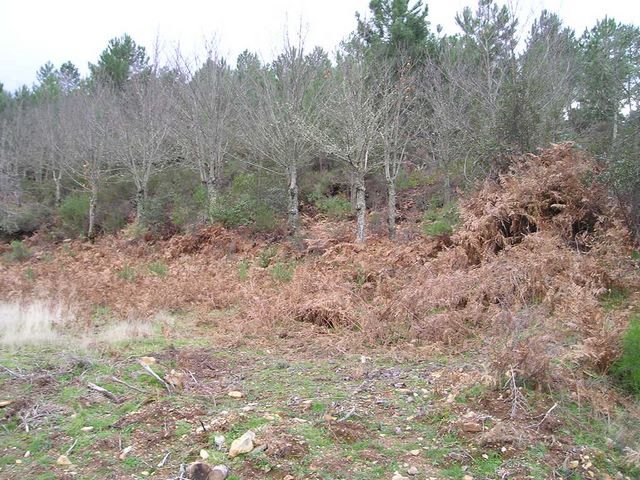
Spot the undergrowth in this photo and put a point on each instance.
(627, 369)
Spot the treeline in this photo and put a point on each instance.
(165, 146)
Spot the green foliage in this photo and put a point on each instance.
(127, 273)
(283, 272)
(414, 179)
(267, 255)
(122, 59)
(158, 268)
(243, 205)
(74, 213)
(30, 274)
(442, 220)
(614, 299)
(336, 208)
(627, 369)
(243, 270)
(19, 251)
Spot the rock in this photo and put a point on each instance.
(175, 379)
(87, 429)
(415, 452)
(63, 460)
(235, 394)
(203, 471)
(204, 454)
(467, 477)
(412, 471)
(471, 427)
(5, 403)
(219, 441)
(289, 477)
(125, 452)
(397, 476)
(241, 445)
(147, 361)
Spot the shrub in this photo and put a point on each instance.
(627, 369)
(19, 251)
(437, 221)
(158, 268)
(243, 270)
(414, 179)
(283, 272)
(265, 257)
(127, 273)
(336, 207)
(74, 213)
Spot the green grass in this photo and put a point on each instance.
(438, 221)
(627, 369)
(158, 268)
(127, 273)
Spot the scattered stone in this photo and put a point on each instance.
(5, 403)
(219, 441)
(573, 464)
(414, 452)
(18, 461)
(125, 452)
(147, 361)
(87, 429)
(397, 476)
(241, 445)
(467, 477)
(204, 454)
(289, 477)
(63, 460)
(471, 427)
(235, 394)
(203, 471)
(412, 471)
(27, 454)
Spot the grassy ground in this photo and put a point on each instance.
(316, 415)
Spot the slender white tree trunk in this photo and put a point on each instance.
(57, 177)
(292, 210)
(391, 207)
(93, 203)
(140, 198)
(361, 206)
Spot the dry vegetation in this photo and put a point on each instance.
(523, 287)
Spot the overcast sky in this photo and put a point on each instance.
(33, 32)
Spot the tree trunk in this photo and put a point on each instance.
(446, 190)
(292, 209)
(93, 203)
(352, 191)
(391, 207)
(615, 127)
(140, 197)
(57, 180)
(361, 206)
(212, 196)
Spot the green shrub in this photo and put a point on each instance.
(158, 268)
(336, 207)
(74, 213)
(127, 273)
(437, 221)
(243, 270)
(283, 272)
(266, 256)
(627, 369)
(413, 179)
(19, 251)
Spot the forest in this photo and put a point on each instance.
(415, 257)
(165, 146)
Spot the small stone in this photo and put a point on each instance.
(244, 444)
(414, 452)
(125, 452)
(412, 471)
(471, 427)
(289, 477)
(63, 460)
(27, 454)
(219, 441)
(144, 473)
(87, 429)
(18, 461)
(397, 476)
(573, 464)
(235, 394)
(204, 454)
(147, 360)
(467, 477)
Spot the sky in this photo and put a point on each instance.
(33, 32)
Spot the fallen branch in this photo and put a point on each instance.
(11, 372)
(148, 369)
(164, 460)
(348, 415)
(545, 416)
(104, 392)
(132, 387)
(70, 449)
